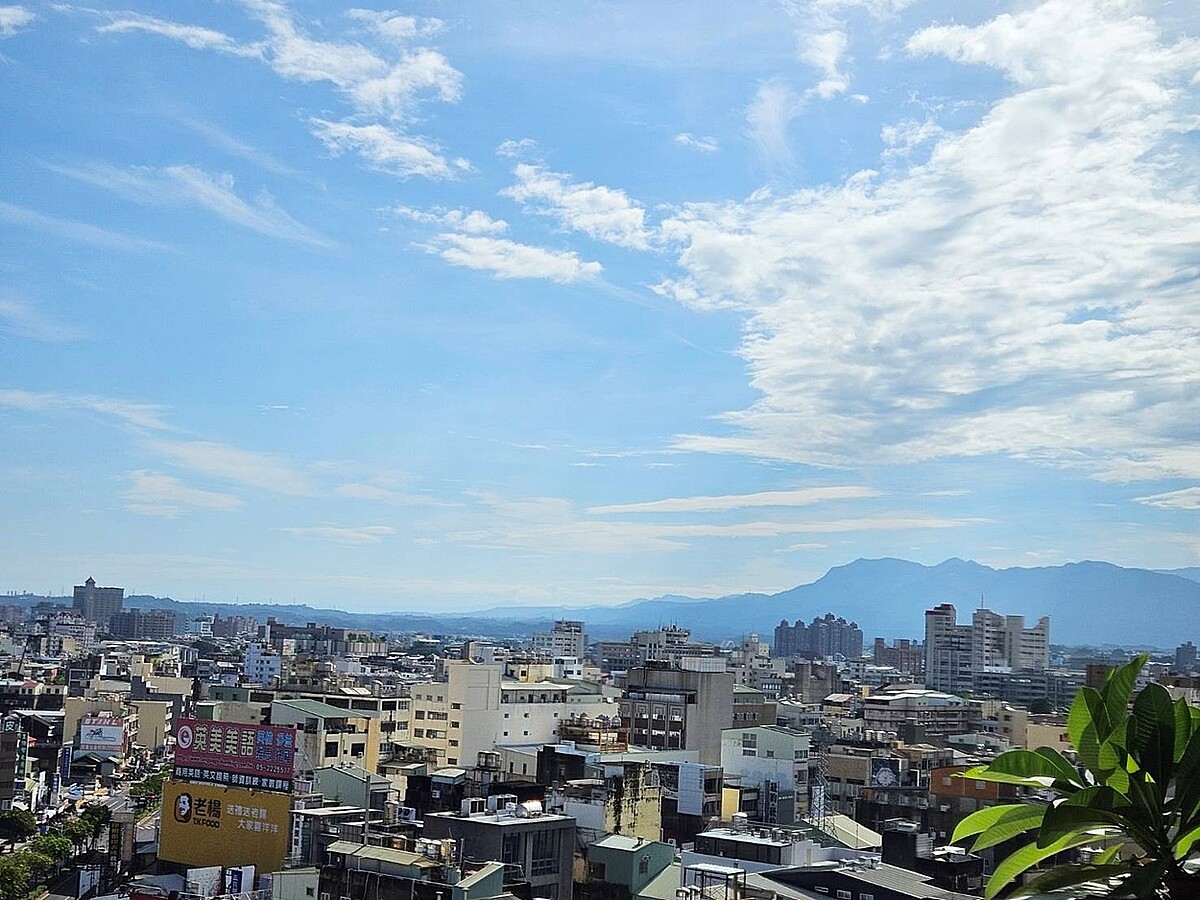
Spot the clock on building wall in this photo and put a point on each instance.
(885, 772)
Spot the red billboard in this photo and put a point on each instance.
(262, 757)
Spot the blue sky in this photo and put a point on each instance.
(454, 305)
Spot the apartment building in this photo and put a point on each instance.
(939, 714)
(677, 709)
(327, 735)
(824, 638)
(775, 760)
(476, 708)
(956, 656)
(565, 638)
(97, 604)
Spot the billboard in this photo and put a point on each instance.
(102, 734)
(206, 825)
(262, 757)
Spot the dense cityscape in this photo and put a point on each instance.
(220, 756)
(599, 450)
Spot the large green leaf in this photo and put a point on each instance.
(1025, 817)
(1184, 843)
(1151, 738)
(1028, 857)
(985, 773)
(981, 820)
(1080, 720)
(1117, 689)
(1070, 876)
(1187, 780)
(1183, 728)
(1061, 764)
(1030, 763)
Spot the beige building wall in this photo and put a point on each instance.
(153, 723)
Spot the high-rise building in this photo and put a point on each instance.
(143, 624)
(825, 637)
(98, 604)
(1185, 658)
(959, 655)
(565, 638)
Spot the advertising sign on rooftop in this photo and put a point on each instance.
(262, 757)
(101, 735)
(205, 825)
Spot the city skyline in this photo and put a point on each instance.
(583, 303)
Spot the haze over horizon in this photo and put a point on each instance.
(577, 303)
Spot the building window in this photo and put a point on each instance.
(644, 865)
(845, 895)
(544, 853)
(510, 848)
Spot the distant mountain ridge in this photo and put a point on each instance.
(1088, 603)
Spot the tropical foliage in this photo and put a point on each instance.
(1134, 787)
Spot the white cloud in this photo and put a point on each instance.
(799, 497)
(902, 138)
(14, 19)
(395, 27)
(183, 186)
(264, 471)
(1028, 291)
(514, 149)
(354, 537)
(824, 52)
(138, 415)
(768, 118)
(694, 142)
(387, 150)
(1187, 498)
(473, 221)
(155, 494)
(510, 259)
(383, 79)
(601, 212)
(195, 36)
(23, 320)
(80, 232)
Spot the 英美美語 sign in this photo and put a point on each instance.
(235, 754)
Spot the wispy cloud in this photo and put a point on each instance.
(387, 150)
(517, 149)
(381, 75)
(604, 213)
(14, 19)
(251, 468)
(510, 259)
(147, 416)
(694, 142)
(191, 186)
(354, 537)
(1187, 498)
(473, 221)
(155, 494)
(768, 119)
(21, 319)
(798, 497)
(234, 146)
(195, 36)
(80, 232)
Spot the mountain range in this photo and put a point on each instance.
(1088, 603)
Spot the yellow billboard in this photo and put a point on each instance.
(207, 825)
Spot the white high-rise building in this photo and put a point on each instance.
(566, 638)
(956, 654)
